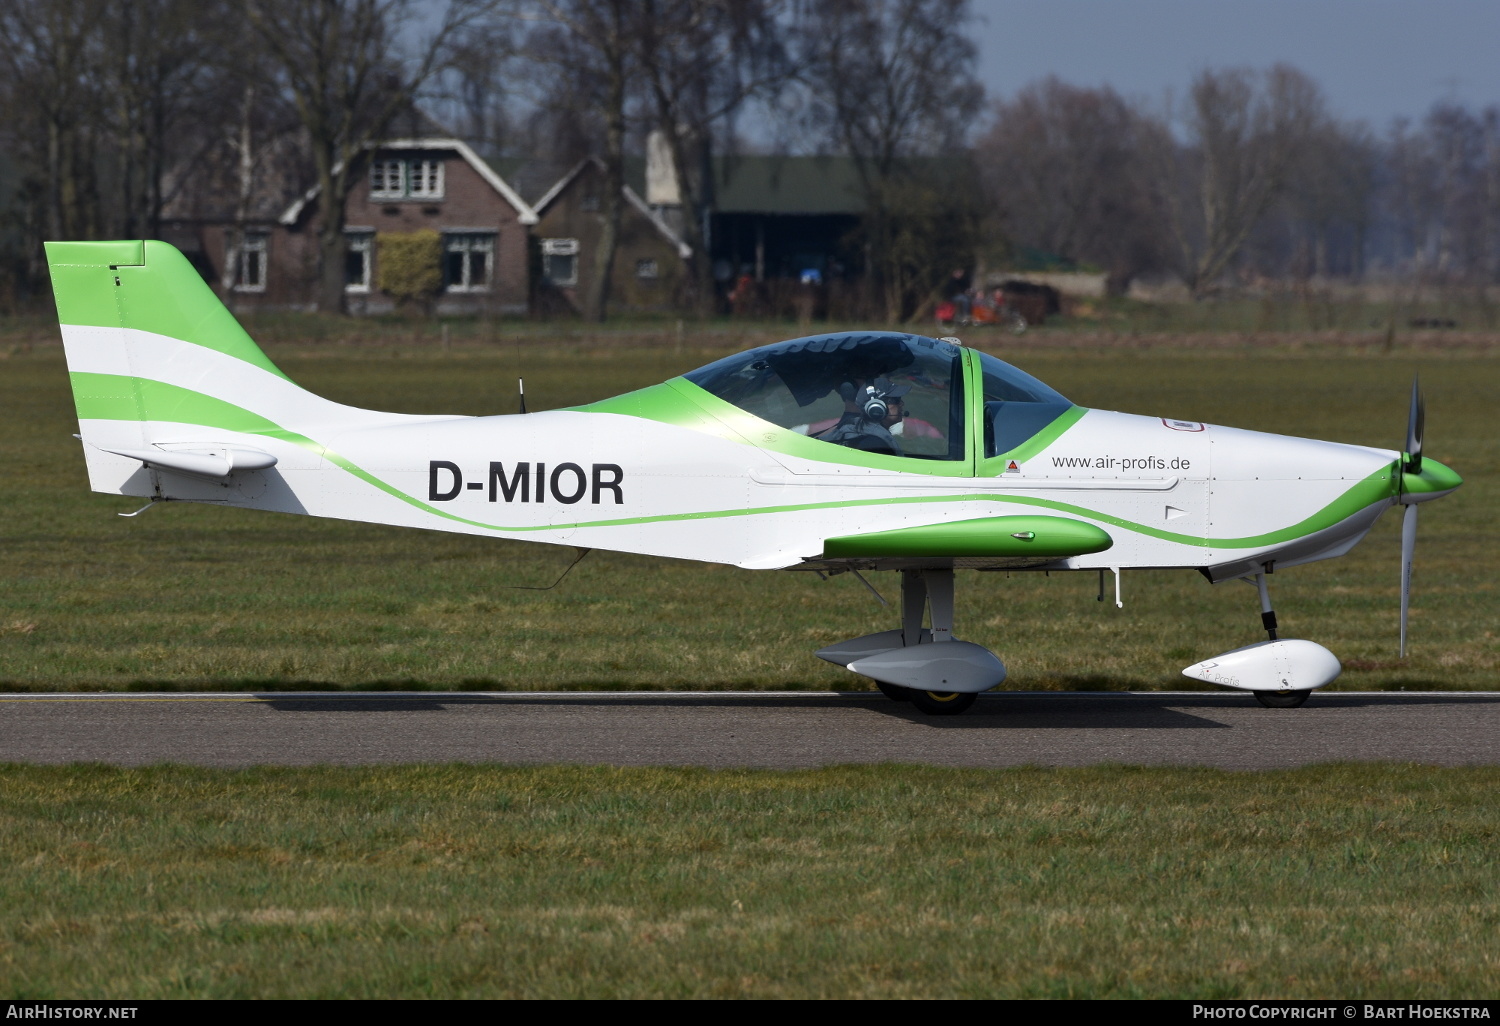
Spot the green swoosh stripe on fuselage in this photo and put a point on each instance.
(113, 397)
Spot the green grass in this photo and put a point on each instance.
(881, 881)
(189, 597)
(1462, 312)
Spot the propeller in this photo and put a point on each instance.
(1408, 546)
(1412, 465)
(1414, 424)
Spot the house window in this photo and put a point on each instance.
(425, 179)
(359, 252)
(406, 179)
(468, 261)
(388, 179)
(647, 269)
(590, 203)
(251, 274)
(560, 261)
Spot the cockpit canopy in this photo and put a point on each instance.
(882, 392)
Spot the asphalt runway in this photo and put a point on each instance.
(777, 729)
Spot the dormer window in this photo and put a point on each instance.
(403, 178)
(425, 179)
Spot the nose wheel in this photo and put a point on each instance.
(1281, 699)
(940, 703)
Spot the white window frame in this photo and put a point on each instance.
(257, 243)
(424, 179)
(560, 247)
(361, 240)
(381, 173)
(468, 243)
(405, 178)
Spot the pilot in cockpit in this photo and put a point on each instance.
(872, 409)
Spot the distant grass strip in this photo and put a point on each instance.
(880, 881)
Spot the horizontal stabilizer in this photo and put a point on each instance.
(213, 461)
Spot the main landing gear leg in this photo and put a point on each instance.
(937, 588)
(913, 605)
(926, 666)
(1287, 699)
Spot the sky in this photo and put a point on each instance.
(1375, 59)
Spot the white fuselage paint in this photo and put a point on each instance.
(676, 491)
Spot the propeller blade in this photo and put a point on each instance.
(1415, 422)
(1408, 547)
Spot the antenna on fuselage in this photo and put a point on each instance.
(521, 384)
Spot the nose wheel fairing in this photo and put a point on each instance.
(1281, 672)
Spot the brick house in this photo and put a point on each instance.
(255, 236)
(403, 185)
(648, 266)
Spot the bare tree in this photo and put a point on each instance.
(100, 100)
(1330, 196)
(476, 88)
(1064, 167)
(1244, 131)
(255, 154)
(700, 61)
(886, 81)
(52, 102)
(340, 62)
(1459, 147)
(588, 41)
(155, 62)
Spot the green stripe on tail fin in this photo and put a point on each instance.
(148, 286)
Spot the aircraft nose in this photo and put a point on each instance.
(1433, 481)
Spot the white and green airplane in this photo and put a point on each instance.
(844, 452)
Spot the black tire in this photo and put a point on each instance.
(941, 703)
(1281, 699)
(894, 692)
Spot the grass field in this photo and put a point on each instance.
(872, 881)
(879, 881)
(189, 597)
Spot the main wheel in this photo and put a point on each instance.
(895, 692)
(941, 703)
(1281, 699)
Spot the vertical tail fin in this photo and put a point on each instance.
(174, 399)
(146, 287)
(163, 375)
(165, 379)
